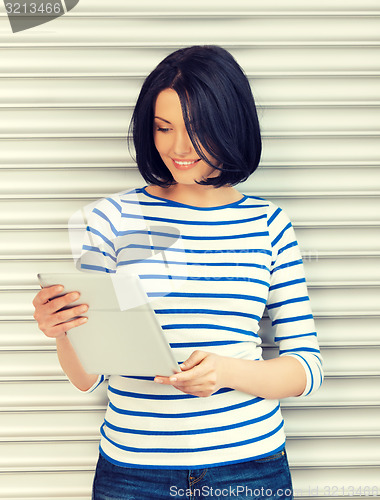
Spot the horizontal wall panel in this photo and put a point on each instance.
(96, 182)
(332, 421)
(327, 299)
(330, 299)
(20, 364)
(246, 29)
(62, 151)
(338, 238)
(338, 360)
(73, 485)
(102, 151)
(273, 120)
(64, 121)
(332, 330)
(25, 455)
(309, 452)
(338, 208)
(332, 119)
(123, 91)
(55, 241)
(19, 334)
(302, 59)
(337, 329)
(337, 391)
(57, 394)
(335, 482)
(343, 209)
(39, 242)
(342, 391)
(350, 452)
(73, 91)
(39, 211)
(26, 425)
(349, 90)
(70, 182)
(321, 270)
(361, 329)
(299, 422)
(327, 148)
(23, 364)
(22, 272)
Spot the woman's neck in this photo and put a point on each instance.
(196, 195)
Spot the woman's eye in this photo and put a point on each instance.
(162, 129)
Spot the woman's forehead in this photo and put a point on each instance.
(168, 106)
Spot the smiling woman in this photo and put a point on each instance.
(196, 135)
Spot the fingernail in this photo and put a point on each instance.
(83, 320)
(158, 380)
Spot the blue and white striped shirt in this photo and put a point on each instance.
(211, 273)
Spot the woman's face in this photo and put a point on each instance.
(173, 142)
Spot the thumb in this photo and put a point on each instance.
(194, 359)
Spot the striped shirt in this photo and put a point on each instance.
(210, 274)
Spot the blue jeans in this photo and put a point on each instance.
(267, 478)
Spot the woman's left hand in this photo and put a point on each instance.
(201, 375)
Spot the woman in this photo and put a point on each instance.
(214, 429)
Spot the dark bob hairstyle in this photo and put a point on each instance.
(218, 110)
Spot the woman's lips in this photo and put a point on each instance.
(184, 164)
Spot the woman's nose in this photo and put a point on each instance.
(183, 144)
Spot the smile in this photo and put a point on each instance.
(183, 165)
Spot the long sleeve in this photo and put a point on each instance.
(288, 302)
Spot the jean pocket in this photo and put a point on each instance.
(271, 457)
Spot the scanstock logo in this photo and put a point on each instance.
(27, 14)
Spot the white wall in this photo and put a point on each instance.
(67, 89)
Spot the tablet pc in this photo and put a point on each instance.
(115, 340)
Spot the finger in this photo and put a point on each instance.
(46, 294)
(58, 303)
(67, 315)
(195, 373)
(194, 359)
(162, 380)
(186, 386)
(170, 380)
(58, 330)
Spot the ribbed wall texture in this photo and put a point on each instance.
(67, 90)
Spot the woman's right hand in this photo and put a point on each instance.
(53, 321)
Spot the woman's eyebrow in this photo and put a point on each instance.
(162, 119)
